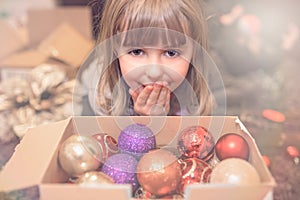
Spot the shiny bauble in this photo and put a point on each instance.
(140, 193)
(235, 171)
(94, 179)
(122, 169)
(136, 139)
(232, 145)
(194, 171)
(159, 172)
(79, 154)
(196, 142)
(108, 145)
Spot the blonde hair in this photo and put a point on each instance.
(184, 16)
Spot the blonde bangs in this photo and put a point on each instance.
(147, 23)
(154, 13)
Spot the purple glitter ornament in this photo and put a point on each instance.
(136, 139)
(122, 169)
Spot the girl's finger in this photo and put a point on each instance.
(153, 97)
(144, 95)
(162, 99)
(168, 99)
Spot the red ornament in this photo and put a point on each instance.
(194, 171)
(108, 144)
(196, 142)
(292, 151)
(159, 172)
(267, 160)
(273, 115)
(232, 145)
(140, 193)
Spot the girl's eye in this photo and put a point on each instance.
(172, 53)
(136, 52)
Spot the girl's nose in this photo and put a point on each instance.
(154, 72)
(154, 69)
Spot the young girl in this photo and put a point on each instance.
(151, 59)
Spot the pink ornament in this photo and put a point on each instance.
(234, 171)
(196, 142)
(232, 145)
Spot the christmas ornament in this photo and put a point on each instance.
(273, 115)
(235, 171)
(159, 172)
(194, 171)
(94, 179)
(196, 141)
(140, 193)
(108, 145)
(232, 145)
(79, 154)
(292, 151)
(121, 167)
(136, 139)
(266, 160)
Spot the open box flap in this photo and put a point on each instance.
(232, 192)
(28, 164)
(71, 191)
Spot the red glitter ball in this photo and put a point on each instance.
(196, 142)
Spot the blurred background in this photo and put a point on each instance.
(255, 45)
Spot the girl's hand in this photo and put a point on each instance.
(151, 100)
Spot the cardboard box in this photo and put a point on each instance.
(11, 39)
(21, 63)
(41, 22)
(62, 34)
(35, 161)
(66, 44)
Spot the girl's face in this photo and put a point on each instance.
(155, 65)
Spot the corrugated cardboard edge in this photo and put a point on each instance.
(32, 169)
